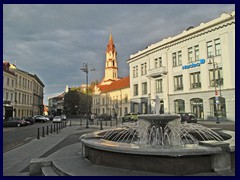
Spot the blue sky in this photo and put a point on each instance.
(53, 41)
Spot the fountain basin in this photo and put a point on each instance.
(208, 156)
(159, 143)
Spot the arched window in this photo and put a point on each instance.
(217, 106)
(179, 105)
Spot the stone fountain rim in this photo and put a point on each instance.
(93, 140)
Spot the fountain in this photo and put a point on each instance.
(160, 143)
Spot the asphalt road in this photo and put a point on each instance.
(16, 136)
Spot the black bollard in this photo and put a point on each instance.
(70, 122)
(54, 128)
(43, 133)
(38, 133)
(101, 127)
(116, 122)
(57, 128)
(51, 129)
(47, 130)
(97, 122)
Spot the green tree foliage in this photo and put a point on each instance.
(75, 102)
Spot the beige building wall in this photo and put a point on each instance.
(199, 98)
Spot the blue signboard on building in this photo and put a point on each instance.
(201, 61)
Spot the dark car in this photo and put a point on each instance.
(29, 119)
(14, 122)
(188, 117)
(41, 119)
(105, 117)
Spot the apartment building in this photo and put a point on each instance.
(193, 71)
(24, 90)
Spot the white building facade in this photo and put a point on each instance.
(190, 72)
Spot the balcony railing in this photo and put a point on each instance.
(157, 72)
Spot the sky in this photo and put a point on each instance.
(54, 40)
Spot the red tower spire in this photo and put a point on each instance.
(110, 46)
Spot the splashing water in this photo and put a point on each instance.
(172, 134)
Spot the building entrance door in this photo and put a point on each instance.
(197, 107)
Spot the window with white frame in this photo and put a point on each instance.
(217, 47)
(196, 52)
(160, 61)
(156, 63)
(159, 86)
(177, 58)
(174, 59)
(209, 49)
(144, 88)
(134, 73)
(218, 77)
(195, 80)
(178, 82)
(190, 54)
(144, 69)
(135, 89)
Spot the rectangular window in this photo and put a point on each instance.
(134, 72)
(190, 54)
(126, 98)
(142, 69)
(195, 80)
(178, 83)
(135, 89)
(8, 81)
(217, 47)
(179, 58)
(156, 63)
(6, 96)
(144, 88)
(159, 86)
(160, 61)
(196, 52)
(145, 68)
(209, 49)
(174, 59)
(218, 77)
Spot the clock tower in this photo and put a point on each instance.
(111, 67)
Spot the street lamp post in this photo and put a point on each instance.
(85, 69)
(215, 86)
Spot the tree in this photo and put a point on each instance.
(75, 102)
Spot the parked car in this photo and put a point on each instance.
(14, 122)
(30, 120)
(50, 117)
(188, 117)
(41, 119)
(105, 117)
(130, 117)
(57, 119)
(64, 117)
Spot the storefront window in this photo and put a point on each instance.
(219, 109)
(179, 106)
